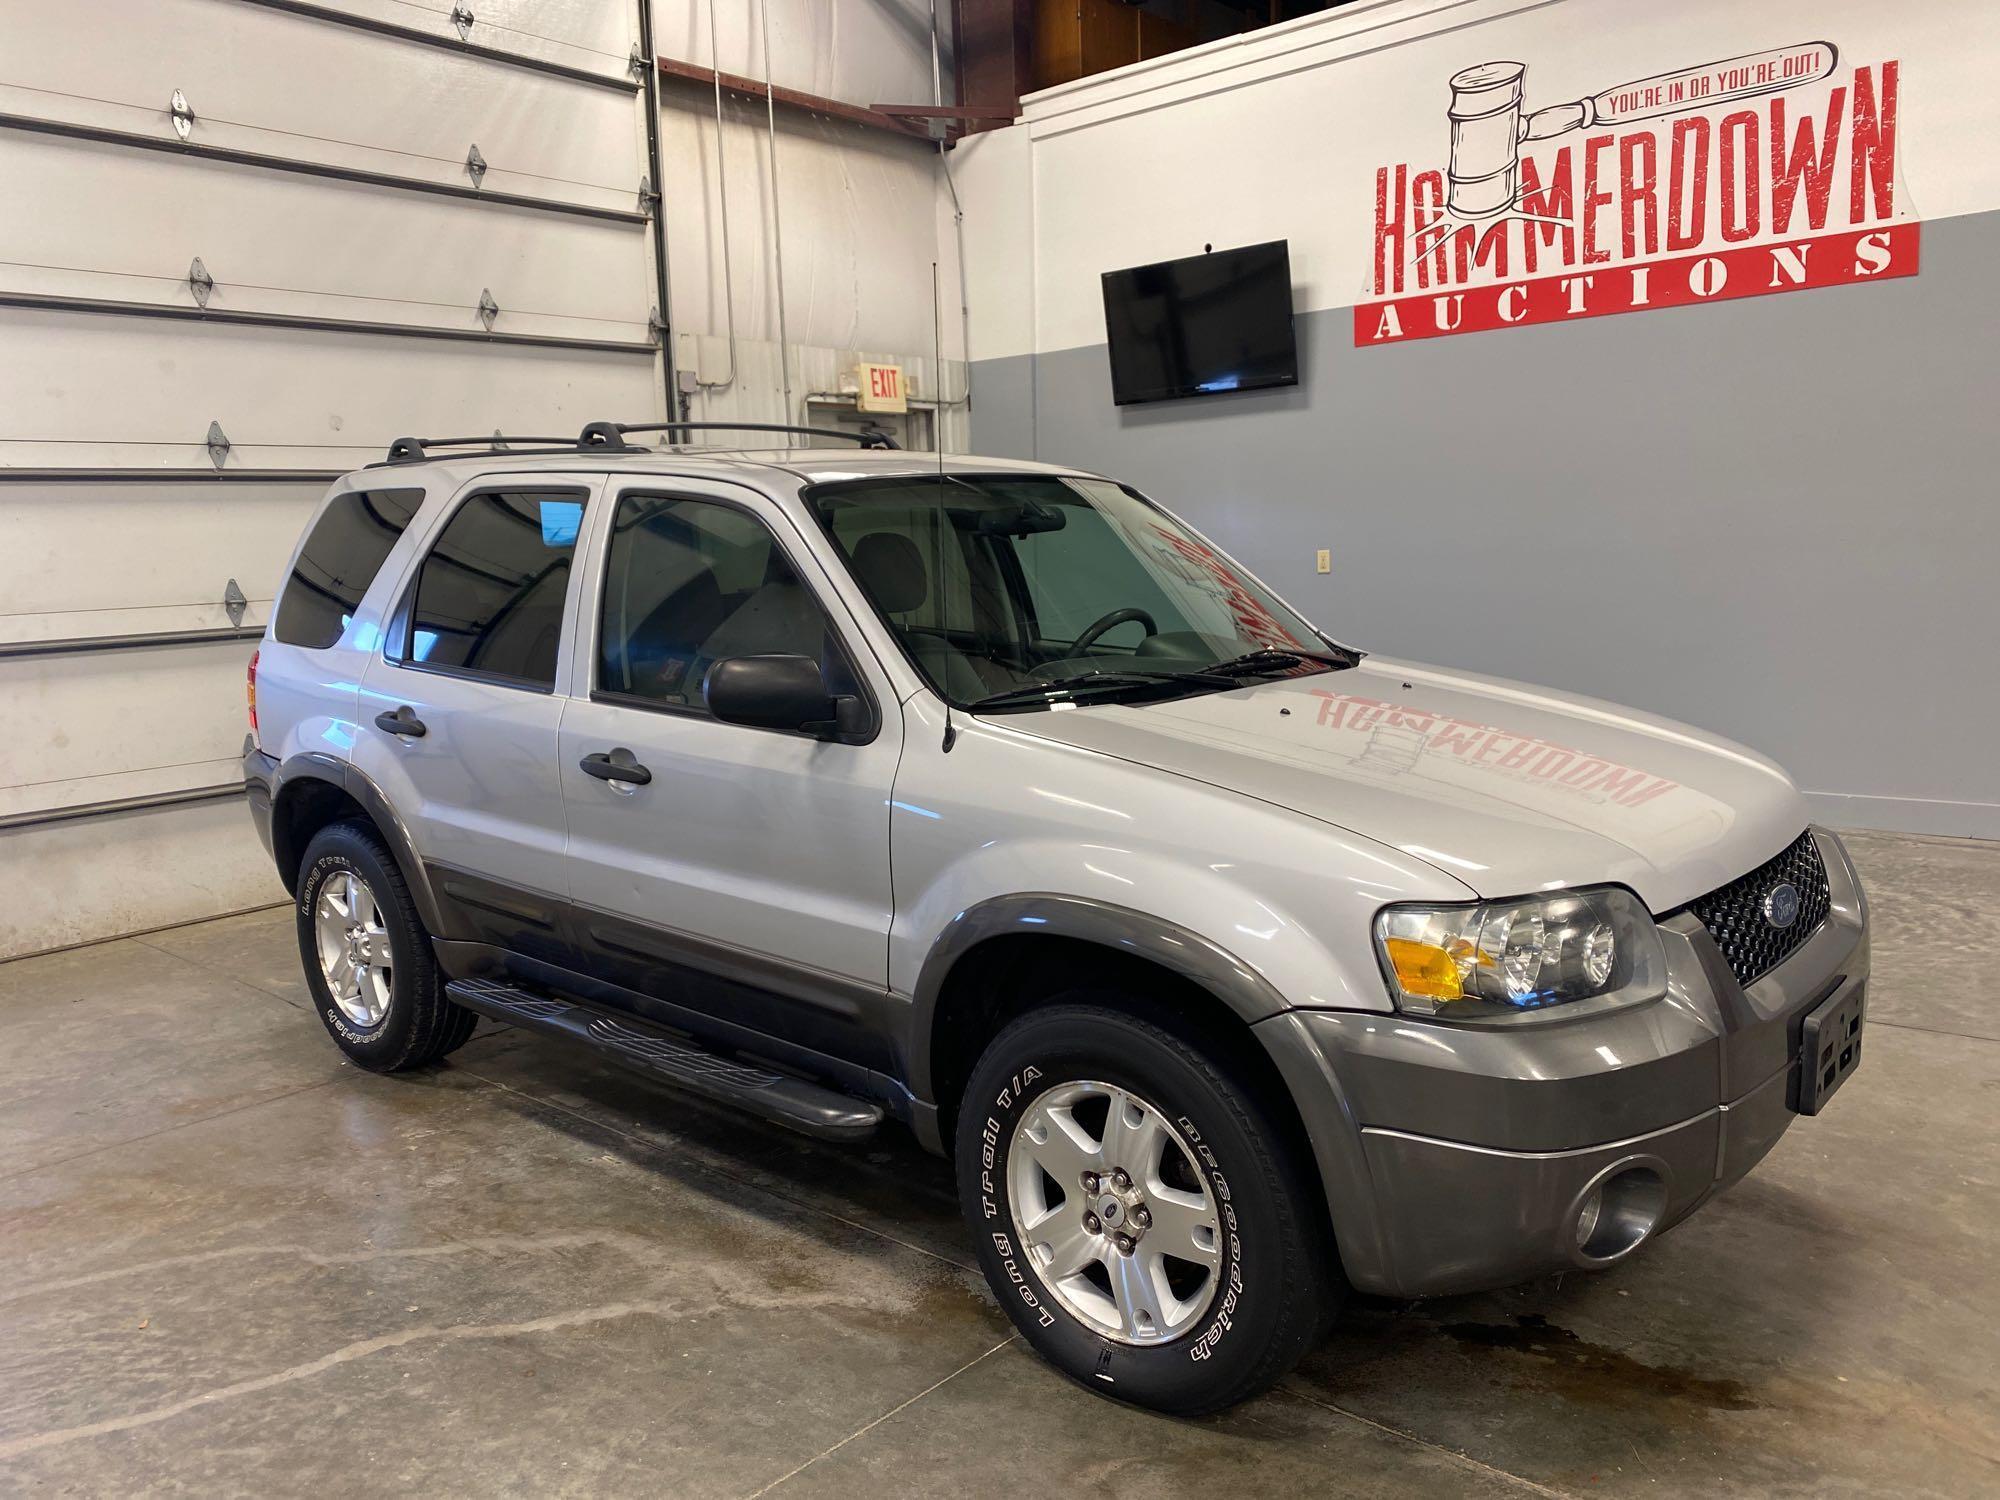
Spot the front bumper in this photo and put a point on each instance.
(1459, 1158)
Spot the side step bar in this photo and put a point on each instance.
(670, 1059)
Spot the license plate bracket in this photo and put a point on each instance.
(1830, 1045)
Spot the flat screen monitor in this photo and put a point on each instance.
(1195, 327)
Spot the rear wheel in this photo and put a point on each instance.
(1142, 1220)
(368, 958)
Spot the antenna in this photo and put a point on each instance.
(937, 442)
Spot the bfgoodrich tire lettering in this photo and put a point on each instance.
(418, 1025)
(1273, 1275)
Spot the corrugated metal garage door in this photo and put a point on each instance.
(323, 172)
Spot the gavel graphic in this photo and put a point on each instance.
(1488, 127)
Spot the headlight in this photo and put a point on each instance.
(1501, 959)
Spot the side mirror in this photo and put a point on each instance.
(778, 692)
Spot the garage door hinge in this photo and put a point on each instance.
(200, 282)
(234, 602)
(647, 197)
(218, 445)
(461, 17)
(654, 327)
(183, 114)
(488, 308)
(636, 63)
(475, 165)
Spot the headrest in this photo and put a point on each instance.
(891, 569)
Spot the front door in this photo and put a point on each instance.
(746, 874)
(459, 712)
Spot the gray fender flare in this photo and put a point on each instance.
(1316, 1095)
(315, 766)
(1120, 929)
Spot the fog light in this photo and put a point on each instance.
(1617, 1213)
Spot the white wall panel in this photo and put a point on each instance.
(70, 882)
(271, 81)
(78, 723)
(587, 34)
(275, 242)
(285, 397)
(857, 51)
(87, 559)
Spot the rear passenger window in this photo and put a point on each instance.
(688, 583)
(489, 598)
(338, 562)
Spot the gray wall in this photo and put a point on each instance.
(1774, 518)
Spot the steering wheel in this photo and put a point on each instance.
(1109, 623)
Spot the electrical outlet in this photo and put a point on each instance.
(1324, 562)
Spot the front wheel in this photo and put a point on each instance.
(1142, 1220)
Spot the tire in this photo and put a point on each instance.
(405, 1021)
(1273, 1283)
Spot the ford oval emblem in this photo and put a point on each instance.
(1781, 904)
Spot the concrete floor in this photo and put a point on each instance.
(234, 1265)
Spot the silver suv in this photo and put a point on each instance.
(1233, 967)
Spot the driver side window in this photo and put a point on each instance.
(688, 583)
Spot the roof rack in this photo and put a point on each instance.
(414, 450)
(609, 437)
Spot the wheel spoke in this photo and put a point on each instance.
(377, 946)
(1064, 1247)
(1184, 1226)
(340, 977)
(1140, 1294)
(1061, 1147)
(1133, 1138)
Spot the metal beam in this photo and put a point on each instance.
(500, 55)
(995, 55)
(168, 476)
(36, 302)
(77, 645)
(753, 89)
(42, 817)
(202, 151)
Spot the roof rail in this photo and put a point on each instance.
(611, 435)
(414, 450)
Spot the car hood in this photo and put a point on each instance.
(1509, 788)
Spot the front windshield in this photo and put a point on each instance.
(1010, 584)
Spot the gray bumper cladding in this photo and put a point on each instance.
(1458, 1158)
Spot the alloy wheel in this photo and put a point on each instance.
(353, 945)
(1114, 1213)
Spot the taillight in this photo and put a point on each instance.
(250, 694)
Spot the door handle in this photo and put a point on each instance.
(617, 765)
(403, 721)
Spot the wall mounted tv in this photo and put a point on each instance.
(1194, 327)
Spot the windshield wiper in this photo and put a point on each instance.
(1273, 659)
(1094, 683)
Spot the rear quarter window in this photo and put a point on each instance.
(341, 557)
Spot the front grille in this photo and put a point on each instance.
(1734, 915)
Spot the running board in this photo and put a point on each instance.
(669, 1059)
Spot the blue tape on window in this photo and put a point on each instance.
(561, 520)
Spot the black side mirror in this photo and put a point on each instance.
(779, 692)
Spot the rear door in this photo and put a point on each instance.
(749, 878)
(459, 712)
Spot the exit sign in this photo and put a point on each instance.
(879, 388)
